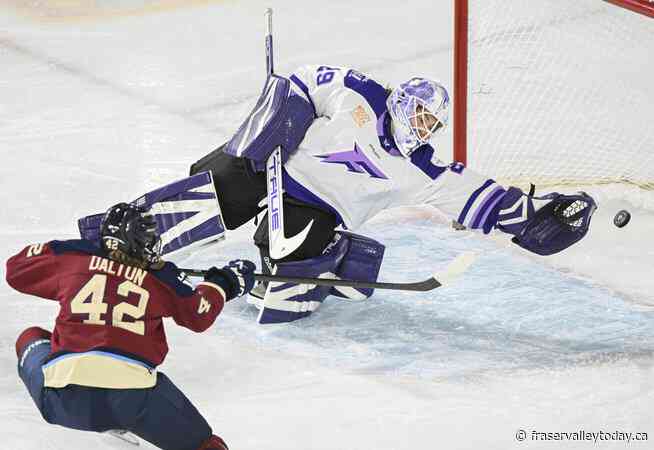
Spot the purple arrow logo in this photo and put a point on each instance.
(355, 160)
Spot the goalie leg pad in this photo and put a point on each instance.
(187, 213)
(361, 262)
(286, 302)
(281, 117)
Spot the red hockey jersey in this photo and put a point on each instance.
(109, 331)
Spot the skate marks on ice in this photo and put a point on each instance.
(506, 313)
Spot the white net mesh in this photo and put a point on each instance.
(560, 92)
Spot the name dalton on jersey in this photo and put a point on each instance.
(104, 265)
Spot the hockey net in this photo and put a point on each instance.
(556, 92)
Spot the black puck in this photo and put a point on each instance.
(622, 218)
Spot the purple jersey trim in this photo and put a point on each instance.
(484, 210)
(373, 92)
(385, 135)
(472, 199)
(422, 159)
(299, 192)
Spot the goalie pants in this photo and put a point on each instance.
(240, 190)
(161, 415)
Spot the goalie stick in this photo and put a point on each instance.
(455, 268)
(280, 246)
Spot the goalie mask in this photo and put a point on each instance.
(419, 109)
(130, 236)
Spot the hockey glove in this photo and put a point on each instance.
(548, 224)
(237, 278)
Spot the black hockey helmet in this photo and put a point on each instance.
(132, 232)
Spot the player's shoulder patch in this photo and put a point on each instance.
(374, 93)
(76, 245)
(360, 116)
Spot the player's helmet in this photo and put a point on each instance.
(132, 232)
(419, 109)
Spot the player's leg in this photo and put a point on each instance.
(296, 217)
(75, 407)
(238, 187)
(325, 253)
(32, 348)
(166, 418)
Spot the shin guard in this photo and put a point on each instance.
(361, 262)
(186, 211)
(285, 302)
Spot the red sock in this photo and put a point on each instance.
(28, 336)
(214, 443)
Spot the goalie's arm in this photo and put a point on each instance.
(463, 195)
(542, 225)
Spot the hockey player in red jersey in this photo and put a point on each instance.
(97, 370)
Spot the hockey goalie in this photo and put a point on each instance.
(348, 149)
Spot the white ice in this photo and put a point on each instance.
(101, 101)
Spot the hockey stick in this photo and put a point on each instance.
(455, 268)
(269, 42)
(279, 245)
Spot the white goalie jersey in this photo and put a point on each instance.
(348, 162)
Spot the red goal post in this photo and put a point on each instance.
(645, 7)
(556, 91)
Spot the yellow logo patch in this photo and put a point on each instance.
(360, 116)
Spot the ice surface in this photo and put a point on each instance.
(99, 106)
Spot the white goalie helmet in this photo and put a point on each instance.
(419, 108)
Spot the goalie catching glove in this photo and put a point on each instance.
(545, 225)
